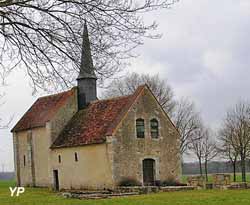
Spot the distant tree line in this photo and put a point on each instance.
(7, 175)
(192, 168)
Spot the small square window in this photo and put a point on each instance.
(24, 160)
(76, 157)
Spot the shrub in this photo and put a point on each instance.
(172, 182)
(129, 182)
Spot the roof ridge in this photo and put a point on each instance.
(119, 118)
(122, 96)
(112, 98)
(52, 95)
(93, 124)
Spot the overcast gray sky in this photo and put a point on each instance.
(204, 54)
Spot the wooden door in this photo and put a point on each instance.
(56, 180)
(148, 172)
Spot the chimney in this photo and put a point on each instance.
(86, 81)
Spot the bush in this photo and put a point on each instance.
(129, 182)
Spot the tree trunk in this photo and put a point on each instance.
(200, 167)
(206, 171)
(234, 170)
(243, 168)
(182, 165)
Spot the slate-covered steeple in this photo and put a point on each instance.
(86, 81)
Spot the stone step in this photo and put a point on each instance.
(95, 195)
(124, 194)
(89, 191)
(177, 188)
(240, 185)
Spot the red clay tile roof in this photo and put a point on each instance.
(98, 120)
(42, 111)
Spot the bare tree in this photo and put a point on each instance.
(196, 145)
(187, 121)
(204, 147)
(44, 37)
(228, 149)
(238, 119)
(183, 112)
(209, 149)
(161, 89)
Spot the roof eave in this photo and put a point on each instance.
(25, 129)
(78, 145)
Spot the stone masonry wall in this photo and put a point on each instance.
(23, 169)
(63, 115)
(16, 159)
(129, 151)
(35, 146)
(55, 126)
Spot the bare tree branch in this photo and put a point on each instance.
(45, 36)
(237, 132)
(3, 123)
(162, 91)
(196, 145)
(228, 149)
(210, 150)
(187, 121)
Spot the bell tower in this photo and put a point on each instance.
(86, 80)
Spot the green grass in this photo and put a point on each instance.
(238, 178)
(38, 196)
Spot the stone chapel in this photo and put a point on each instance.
(72, 140)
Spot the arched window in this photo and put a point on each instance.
(76, 157)
(154, 127)
(59, 158)
(140, 128)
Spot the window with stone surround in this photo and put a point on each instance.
(140, 128)
(59, 158)
(154, 128)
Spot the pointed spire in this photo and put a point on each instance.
(86, 81)
(86, 67)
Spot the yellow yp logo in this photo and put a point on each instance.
(17, 190)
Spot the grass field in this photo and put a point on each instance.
(38, 196)
(238, 178)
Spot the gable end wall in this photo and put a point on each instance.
(129, 151)
(35, 145)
